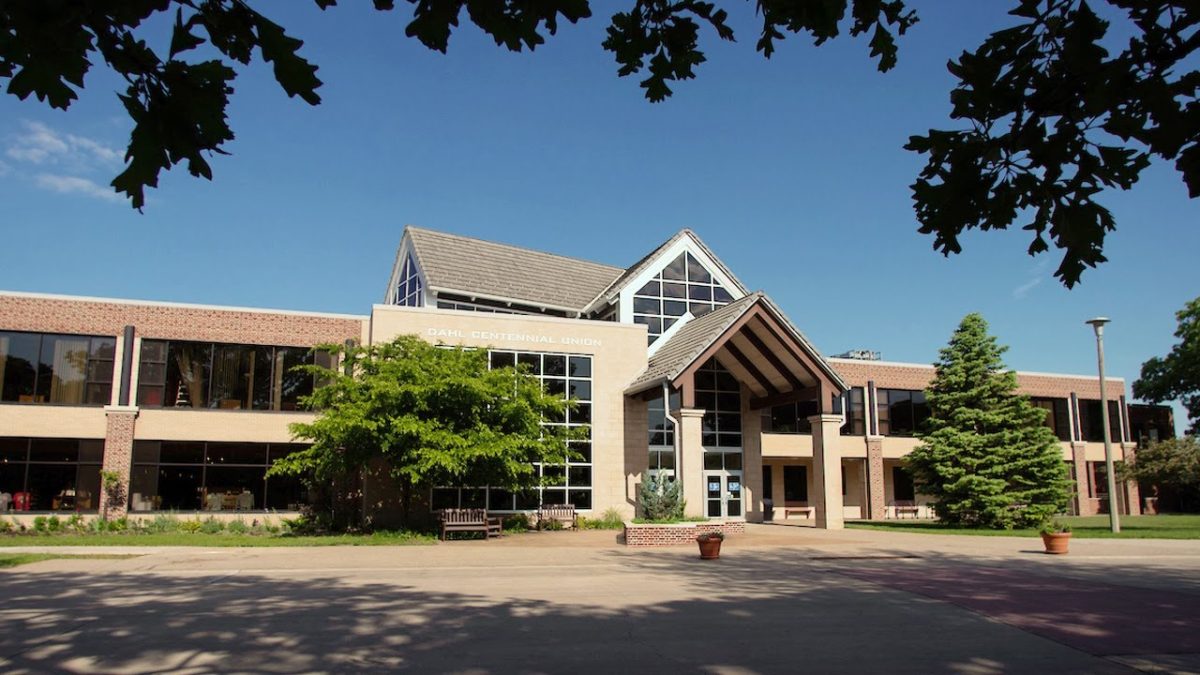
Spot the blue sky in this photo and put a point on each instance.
(792, 170)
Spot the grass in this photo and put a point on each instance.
(15, 559)
(214, 539)
(1083, 527)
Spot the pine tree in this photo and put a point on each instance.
(987, 456)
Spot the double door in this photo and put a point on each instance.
(723, 494)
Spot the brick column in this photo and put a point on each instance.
(1084, 505)
(877, 504)
(691, 460)
(1133, 494)
(118, 455)
(827, 470)
(752, 487)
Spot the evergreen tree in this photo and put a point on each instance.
(987, 456)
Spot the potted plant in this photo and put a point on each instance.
(710, 545)
(1056, 536)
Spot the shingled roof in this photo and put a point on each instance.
(475, 267)
(685, 346)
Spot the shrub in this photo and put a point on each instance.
(517, 522)
(709, 536)
(75, 523)
(5, 526)
(54, 524)
(39, 525)
(552, 525)
(238, 526)
(212, 526)
(190, 526)
(1055, 526)
(161, 523)
(611, 520)
(661, 499)
(118, 524)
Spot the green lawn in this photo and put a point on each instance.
(1084, 527)
(14, 559)
(213, 539)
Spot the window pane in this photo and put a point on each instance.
(647, 305)
(581, 499)
(237, 453)
(502, 359)
(63, 370)
(696, 271)
(292, 383)
(14, 449)
(230, 488)
(231, 377)
(676, 270)
(182, 452)
(188, 369)
(696, 292)
(581, 366)
(19, 354)
(554, 365)
(531, 363)
(179, 487)
(53, 450)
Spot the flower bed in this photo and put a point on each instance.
(676, 534)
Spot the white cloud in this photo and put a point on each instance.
(1023, 290)
(75, 185)
(40, 144)
(4, 168)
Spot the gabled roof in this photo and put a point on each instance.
(474, 267)
(618, 284)
(693, 339)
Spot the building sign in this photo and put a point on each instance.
(493, 337)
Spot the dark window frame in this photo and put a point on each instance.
(96, 376)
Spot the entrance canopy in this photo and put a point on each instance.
(753, 339)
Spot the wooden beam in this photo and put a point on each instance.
(772, 358)
(805, 394)
(805, 359)
(750, 367)
(715, 346)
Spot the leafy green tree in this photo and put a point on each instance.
(986, 455)
(1050, 116)
(432, 415)
(1171, 466)
(1176, 377)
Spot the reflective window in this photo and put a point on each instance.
(566, 374)
(719, 395)
(176, 374)
(684, 285)
(51, 474)
(856, 423)
(1057, 417)
(202, 476)
(1091, 420)
(901, 412)
(790, 418)
(408, 290)
(662, 434)
(57, 369)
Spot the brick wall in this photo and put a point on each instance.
(677, 534)
(170, 321)
(118, 456)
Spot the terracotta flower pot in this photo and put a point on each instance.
(1056, 542)
(710, 548)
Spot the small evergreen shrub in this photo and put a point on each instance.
(212, 526)
(661, 498)
(237, 527)
(39, 525)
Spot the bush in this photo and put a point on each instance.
(517, 522)
(161, 523)
(661, 499)
(39, 525)
(75, 523)
(552, 525)
(5, 526)
(611, 520)
(190, 526)
(238, 526)
(212, 526)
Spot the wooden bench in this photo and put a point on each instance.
(468, 520)
(809, 512)
(562, 513)
(903, 508)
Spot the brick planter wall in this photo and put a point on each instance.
(677, 534)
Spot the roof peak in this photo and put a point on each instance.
(492, 242)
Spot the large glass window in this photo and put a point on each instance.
(1057, 417)
(683, 286)
(569, 375)
(790, 418)
(50, 474)
(662, 434)
(854, 410)
(62, 369)
(408, 290)
(176, 374)
(202, 476)
(1091, 420)
(901, 412)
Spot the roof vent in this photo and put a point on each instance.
(860, 355)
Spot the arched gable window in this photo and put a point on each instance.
(682, 286)
(408, 289)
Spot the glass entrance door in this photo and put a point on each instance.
(723, 494)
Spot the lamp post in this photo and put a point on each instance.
(1114, 518)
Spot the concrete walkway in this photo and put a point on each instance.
(781, 599)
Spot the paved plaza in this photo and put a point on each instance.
(780, 600)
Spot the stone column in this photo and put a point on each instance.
(877, 503)
(691, 460)
(118, 457)
(1133, 494)
(1084, 506)
(827, 470)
